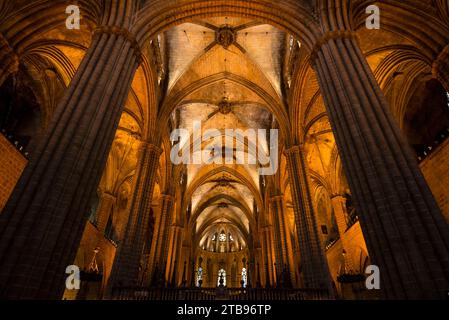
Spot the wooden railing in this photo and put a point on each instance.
(204, 294)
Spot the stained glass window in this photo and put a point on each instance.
(199, 276)
(244, 277)
(221, 275)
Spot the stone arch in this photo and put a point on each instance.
(290, 16)
(273, 105)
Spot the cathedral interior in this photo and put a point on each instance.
(87, 177)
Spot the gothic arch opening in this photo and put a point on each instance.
(426, 122)
(20, 112)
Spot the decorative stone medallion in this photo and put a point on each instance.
(224, 106)
(225, 36)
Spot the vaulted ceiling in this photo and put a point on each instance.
(224, 73)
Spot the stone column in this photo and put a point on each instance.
(286, 245)
(272, 255)
(315, 271)
(170, 238)
(104, 210)
(178, 257)
(258, 265)
(406, 234)
(9, 62)
(125, 270)
(185, 258)
(172, 254)
(41, 227)
(339, 206)
(280, 249)
(265, 264)
(159, 246)
(440, 68)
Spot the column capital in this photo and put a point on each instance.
(176, 227)
(166, 197)
(150, 147)
(297, 148)
(337, 196)
(267, 227)
(108, 195)
(121, 32)
(276, 197)
(338, 200)
(330, 35)
(104, 192)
